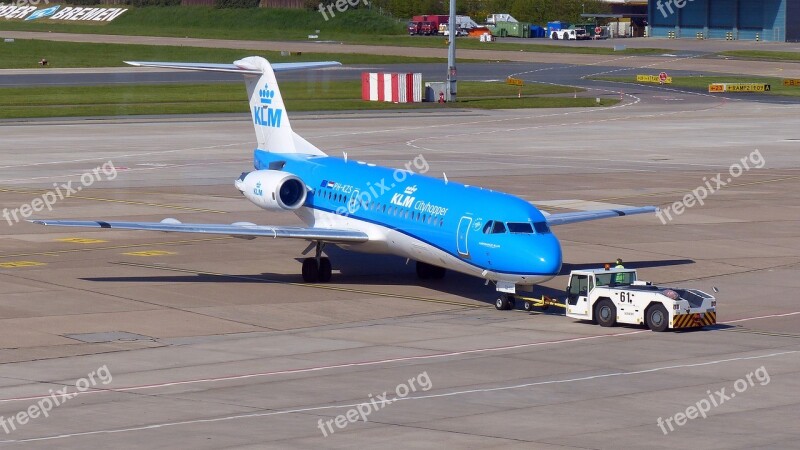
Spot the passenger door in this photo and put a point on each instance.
(462, 236)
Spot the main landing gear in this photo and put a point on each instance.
(317, 269)
(427, 271)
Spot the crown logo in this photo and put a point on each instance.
(411, 189)
(266, 95)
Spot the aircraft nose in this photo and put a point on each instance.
(548, 255)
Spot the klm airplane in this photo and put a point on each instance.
(440, 224)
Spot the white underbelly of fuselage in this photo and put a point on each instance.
(384, 240)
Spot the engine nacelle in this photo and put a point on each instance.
(273, 190)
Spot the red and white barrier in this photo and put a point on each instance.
(391, 87)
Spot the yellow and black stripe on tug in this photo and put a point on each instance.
(694, 320)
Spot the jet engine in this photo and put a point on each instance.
(272, 189)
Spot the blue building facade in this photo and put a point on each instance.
(767, 20)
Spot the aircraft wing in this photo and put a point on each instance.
(242, 229)
(583, 216)
(234, 68)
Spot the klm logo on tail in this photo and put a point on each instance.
(265, 115)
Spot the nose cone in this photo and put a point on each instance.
(548, 255)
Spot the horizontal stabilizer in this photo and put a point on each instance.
(268, 111)
(241, 68)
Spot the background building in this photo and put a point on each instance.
(767, 20)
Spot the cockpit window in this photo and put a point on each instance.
(520, 227)
(498, 228)
(541, 227)
(494, 227)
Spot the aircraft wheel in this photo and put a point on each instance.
(423, 270)
(311, 270)
(527, 306)
(606, 313)
(325, 270)
(657, 318)
(501, 303)
(437, 273)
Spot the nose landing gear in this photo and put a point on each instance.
(505, 302)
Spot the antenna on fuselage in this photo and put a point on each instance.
(445, 177)
(344, 154)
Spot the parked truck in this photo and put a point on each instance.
(426, 24)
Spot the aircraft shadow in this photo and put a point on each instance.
(372, 271)
(454, 283)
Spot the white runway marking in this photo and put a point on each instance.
(333, 366)
(366, 363)
(117, 157)
(421, 397)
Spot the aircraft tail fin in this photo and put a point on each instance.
(267, 110)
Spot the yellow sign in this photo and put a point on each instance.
(748, 87)
(652, 79)
(15, 264)
(150, 253)
(515, 81)
(739, 87)
(716, 87)
(791, 82)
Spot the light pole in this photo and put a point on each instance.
(451, 53)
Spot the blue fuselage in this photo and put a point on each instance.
(490, 231)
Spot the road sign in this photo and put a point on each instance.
(739, 87)
(514, 81)
(653, 79)
(598, 30)
(716, 87)
(792, 82)
(662, 77)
